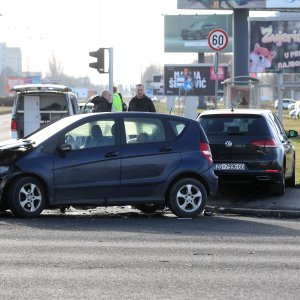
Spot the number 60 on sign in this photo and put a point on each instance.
(217, 39)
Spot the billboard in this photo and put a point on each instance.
(16, 80)
(188, 33)
(193, 80)
(238, 4)
(274, 46)
(158, 85)
(82, 93)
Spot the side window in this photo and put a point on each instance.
(20, 103)
(92, 135)
(279, 125)
(144, 130)
(177, 127)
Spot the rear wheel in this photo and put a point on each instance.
(187, 198)
(278, 188)
(27, 197)
(291, 182)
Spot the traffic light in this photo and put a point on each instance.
(99, 64)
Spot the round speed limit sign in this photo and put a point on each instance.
(217, 39)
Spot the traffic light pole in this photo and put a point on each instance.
(111, 69)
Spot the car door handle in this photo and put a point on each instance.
(165, 149)
(112, 154)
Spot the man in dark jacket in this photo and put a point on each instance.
(103, 103)
(141, 102)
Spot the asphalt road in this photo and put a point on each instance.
(117, 253)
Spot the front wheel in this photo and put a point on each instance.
(27, 197)
(187, 198)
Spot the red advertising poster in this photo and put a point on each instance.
(221, 73)
(12, 81)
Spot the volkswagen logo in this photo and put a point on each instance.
(228, 144)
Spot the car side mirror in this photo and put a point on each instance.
(65, 147)
(292, 133)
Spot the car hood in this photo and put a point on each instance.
(14, 144)
(11, 150)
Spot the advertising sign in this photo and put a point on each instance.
(158, 85)
(82, 93)
(274, 46)
(14, 80)
(190, 33)
(199, 79)
(238, 4)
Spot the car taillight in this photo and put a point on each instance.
(272, 171)
(205, 150)
(266, 143)
(13, 125)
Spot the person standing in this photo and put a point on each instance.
(117, 101)
(124, 105)
(141, 102)
(102, 103)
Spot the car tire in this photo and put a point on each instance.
(278, 188)
(187, 198)
(149, 208)
(291, 182)
(27, 197)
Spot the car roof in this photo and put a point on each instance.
(41, 87)
(240, 111)
(132, 114)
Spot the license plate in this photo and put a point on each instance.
(230, 166)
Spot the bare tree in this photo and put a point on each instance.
(55, 69)
(150, 71)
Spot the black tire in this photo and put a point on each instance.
(187, 198)
(291, 182)
(278, 188)
(149, 208)
(27, 197)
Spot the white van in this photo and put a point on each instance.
(38, 104)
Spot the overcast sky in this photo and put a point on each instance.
(71, 29)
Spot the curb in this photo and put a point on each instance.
(279, 213)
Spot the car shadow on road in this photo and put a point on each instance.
(118, 219)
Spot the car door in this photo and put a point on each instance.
(287, 145)
(148, 158)
(90, 172)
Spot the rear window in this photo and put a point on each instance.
(47, 102)
(234, 125)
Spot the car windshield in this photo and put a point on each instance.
(45, 132)
(197, 25)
